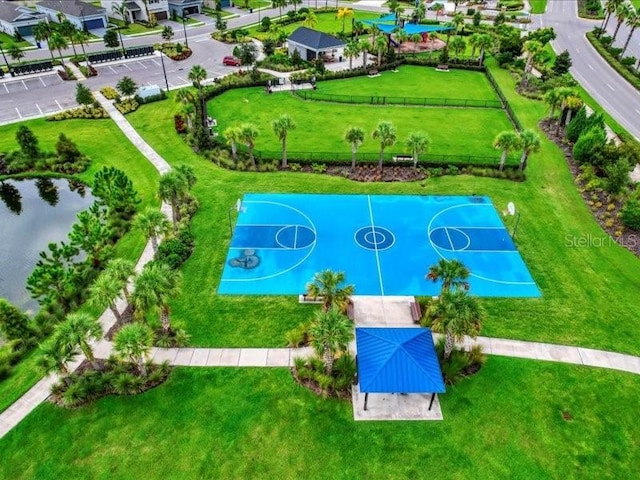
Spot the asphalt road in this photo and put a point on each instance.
(609, 89)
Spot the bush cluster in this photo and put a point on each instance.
(176, 250)
(86, 112)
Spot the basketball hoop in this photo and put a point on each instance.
(511, 210)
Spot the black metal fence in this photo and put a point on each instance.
(389, 158)
(390, 100)
(505, 103)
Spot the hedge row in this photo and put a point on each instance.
(613, 61)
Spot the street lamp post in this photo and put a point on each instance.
(164, 71)
(184, 27)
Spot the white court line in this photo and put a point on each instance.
(375, 245)
(467, 227)
(295, 237)
(449, 237)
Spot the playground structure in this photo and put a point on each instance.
(390, 24)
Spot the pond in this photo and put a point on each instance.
(33, 213)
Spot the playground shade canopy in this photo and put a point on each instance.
(397, 360)
(388, 24)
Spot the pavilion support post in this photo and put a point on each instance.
(433, 396)
(366, 399)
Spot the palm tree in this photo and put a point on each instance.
(153, 224)
(458, 21)
(248, 135)
(330, 332)
(506, 141)
(120, 9)
(105, 291)
(351, 51)
(554, 99)
(310, 19)
(233, 135)
(571, 103)
(458, 45)
(330, 286)
(381, 47)
(415, 38)
(473, 43)
(438, 8)
(452, 273)
(154, 287)
(385, 132)
(57, 42)
(185, 96)
(197, 75)
(68, 29)
(171, 189)
(566, 96)
(76, 331)
(133, 343)
(281, 127)
(622, 12)
(80, 37)
(42, 32)
(529, 142)
(355, 137)
(456, 314)
(417, 143)
(633, 22)
(15, 52)
(485, 42)
(279, 4)
(121, 270)
(54, 358)
(610, 7)
(401, 36)
(343, 14)
(532, 48)
(364, 47)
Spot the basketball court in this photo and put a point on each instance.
(384, 243)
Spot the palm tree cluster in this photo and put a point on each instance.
(456, 314)
(623, 12)
(508, 141)
(175, 189)
(59, 35)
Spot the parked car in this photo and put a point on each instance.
(231, 61)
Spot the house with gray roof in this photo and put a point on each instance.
(17, 19)
(312, 44)
(83, 15)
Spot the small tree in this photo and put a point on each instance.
(154, 287)
(562, 64)
(330, 332)
(83, 95)
(15, 52)
(67, 150)
(153, 224)
(332, 288)
(75, 332)
(385, 133)
(167, 33)
(281, 127)
(126, 86)
(111, 39)
(247, 53)
(529, 142)
(249, 134)
(14, 324)
(417, 143)
(121, 270)
(132, 344)
(451, 274)
(617, 176)
(506, 141)
(105, 291)
(28, 142)
(355, 137)
(233, 136)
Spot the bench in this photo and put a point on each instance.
(373, 73)
(403, 158)
(442, 68)
(304, 298)
(350, 310)
(416, 312)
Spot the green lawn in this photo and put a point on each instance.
(327, 22)
(538, 6)
(414, 81)
(507, 422)
(103, 141)
(321, 125)
(577, 283)
(134, 28)
(7, 40)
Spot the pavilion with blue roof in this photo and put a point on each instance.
(397, 360)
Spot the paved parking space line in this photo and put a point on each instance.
(143, 65)
(6, 88)
(59, 106)
(25, 85)
(39, 109)
(127, 67)
(156, 62)
(112, 69)
(183, 80)
(18, 112)
(42, 81)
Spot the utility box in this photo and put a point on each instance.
(148, 91)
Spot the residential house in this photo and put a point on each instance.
(17, 19)
(83, 15)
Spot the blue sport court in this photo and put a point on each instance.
(384, 243)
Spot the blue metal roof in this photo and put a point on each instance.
(397, 360)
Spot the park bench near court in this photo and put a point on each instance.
(442, 68)
(402, 158)
(416, 312)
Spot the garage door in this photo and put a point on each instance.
(162, 16)
(26, 31)
(91, 24)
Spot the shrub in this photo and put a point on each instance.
(628, 61)
(175, 251)
(298, 336)
(110, 93)
(588, 143)
(617, 176)
(86, 112)
(13, 323)
(577, 125)
(631, 214)
(83, 95)
(127, 106)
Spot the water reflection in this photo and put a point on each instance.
(33, 213)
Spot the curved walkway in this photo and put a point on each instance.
(378, 311)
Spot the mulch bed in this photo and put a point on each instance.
(604, 206)
(370, 173)
(127, 317)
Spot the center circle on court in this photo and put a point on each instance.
(374, 238)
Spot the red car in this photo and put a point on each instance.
(231, 61)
